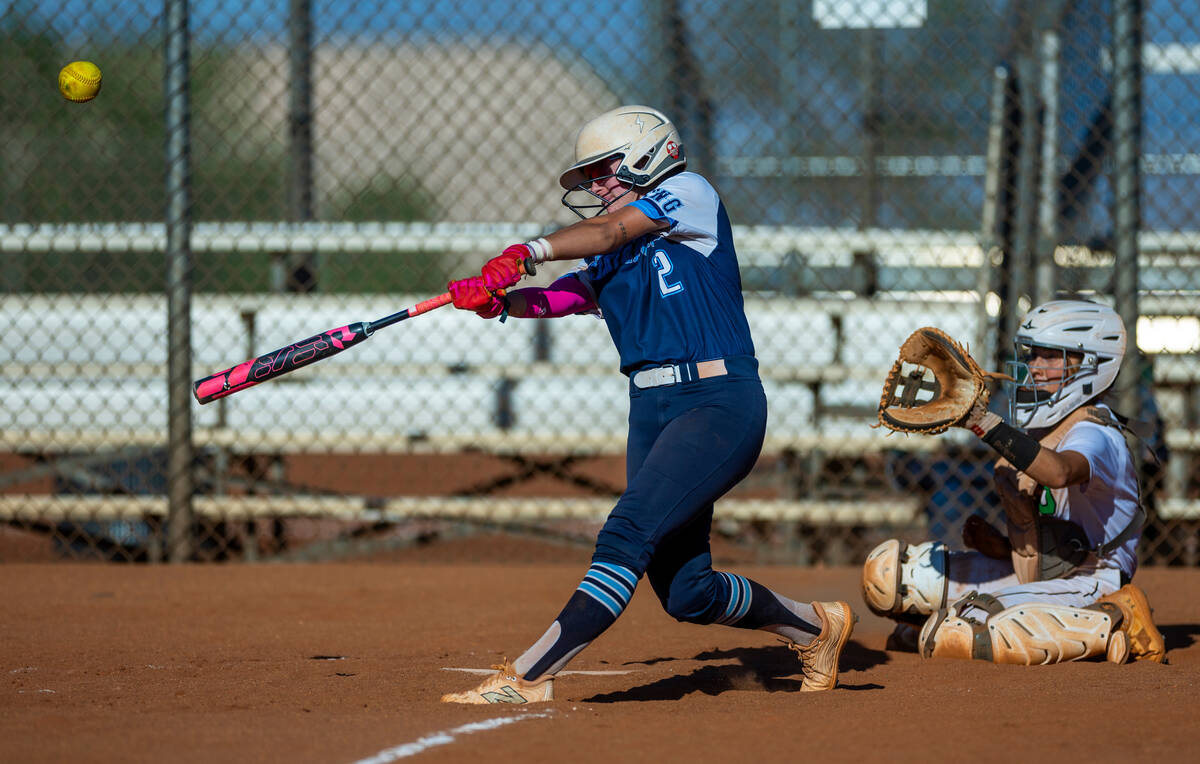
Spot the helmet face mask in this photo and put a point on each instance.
(1031, 399)
(643, 139)
(585, 202)
(1080, 343)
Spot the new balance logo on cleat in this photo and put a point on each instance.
(506, 694)
(505, 686)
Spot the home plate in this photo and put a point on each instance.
(561, 673)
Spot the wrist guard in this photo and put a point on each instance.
(1018, 448)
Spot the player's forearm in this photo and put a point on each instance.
(584, 239)
(595, 236)
(1047, 466)
(1059, 469)
(550, 302)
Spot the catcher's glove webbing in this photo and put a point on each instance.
(957, 387)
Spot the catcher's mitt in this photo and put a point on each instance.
(958, 385)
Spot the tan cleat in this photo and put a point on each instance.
(819, 658)
(505, 687)
(1145, 641)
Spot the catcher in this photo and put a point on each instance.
(1057, 587)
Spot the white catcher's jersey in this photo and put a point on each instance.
(1105, 504)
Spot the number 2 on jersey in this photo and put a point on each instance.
(663, 264)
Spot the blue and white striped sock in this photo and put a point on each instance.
(740, 598)
(600, 598)
(609, 584)
(750, 605)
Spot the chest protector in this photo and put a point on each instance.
(1046, 547)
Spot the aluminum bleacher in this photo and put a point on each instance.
(96, 365)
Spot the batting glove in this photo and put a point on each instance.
(473, 294)
(505, 270)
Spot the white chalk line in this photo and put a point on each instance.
(445, 738)
(561, 673)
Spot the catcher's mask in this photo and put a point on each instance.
(1091, 339)
(648, 145)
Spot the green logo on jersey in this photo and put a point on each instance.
(1046, 505)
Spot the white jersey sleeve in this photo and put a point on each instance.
(690, 206)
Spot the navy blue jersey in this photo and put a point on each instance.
(674, 295)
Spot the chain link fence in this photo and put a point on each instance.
(887, 165)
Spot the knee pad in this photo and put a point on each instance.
(1033, 633)
(899, 579)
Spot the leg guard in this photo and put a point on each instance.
(1036, 633)
(902, 580)
(1027, 634)
(948, 634)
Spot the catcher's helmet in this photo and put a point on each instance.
(647, 143)
(1093, 332)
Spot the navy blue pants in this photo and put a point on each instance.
(689, 443)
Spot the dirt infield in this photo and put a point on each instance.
(342, 662)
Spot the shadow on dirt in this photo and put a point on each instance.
(1180, 635)
(770, 669)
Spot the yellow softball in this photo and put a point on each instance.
(79, 81)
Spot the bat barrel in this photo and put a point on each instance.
(278, 362)
(298, 354)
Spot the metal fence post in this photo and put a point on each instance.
(1025, 216)
(994, 234)
(302, 267)
(1045, 272)
(1127, 133)
(178, 285)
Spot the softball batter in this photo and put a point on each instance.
(1058, 586)
(659, 267)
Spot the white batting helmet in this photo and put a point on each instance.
(647, 142)
(1089, 329)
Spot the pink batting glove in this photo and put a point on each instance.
(473, 294)
(505, 270)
